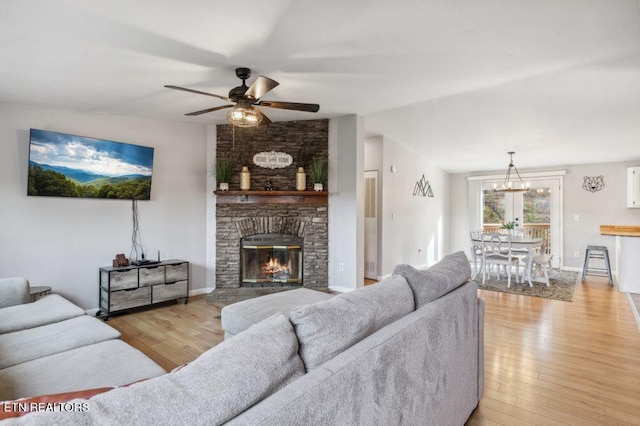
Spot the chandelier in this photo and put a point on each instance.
(244, 116)
(508, 185)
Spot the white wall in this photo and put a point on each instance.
(415, 229)
(211, 209)
(346, 202)
(62, 242)
(605, 207)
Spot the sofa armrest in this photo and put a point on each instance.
(14, 291)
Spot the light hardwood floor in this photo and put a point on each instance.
(546, 362)
(173, 335)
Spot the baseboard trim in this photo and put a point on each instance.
(200, 291)
(634, 309)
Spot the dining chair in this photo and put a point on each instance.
(542, 263)
(496, 250)
(476, 251)
(520, 253)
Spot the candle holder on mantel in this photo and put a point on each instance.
(245, 179)
(301, 179)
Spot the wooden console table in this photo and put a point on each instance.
(134, 286)
(265, 197)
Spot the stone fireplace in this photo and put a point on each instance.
(244, 243)
(271, 238)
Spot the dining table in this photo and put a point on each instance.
(530, 244)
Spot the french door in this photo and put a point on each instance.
(538, 211)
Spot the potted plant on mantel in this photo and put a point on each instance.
(318, 173)
(222, 172)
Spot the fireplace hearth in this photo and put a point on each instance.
(271, 260)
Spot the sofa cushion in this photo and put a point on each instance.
(427, 285)
(217, 386)
(326, 328)
(46, 310)
(33, 343)
(239, 316)
(108, 363)
(420, 370)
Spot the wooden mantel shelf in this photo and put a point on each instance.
(264, 197)
(619, 230)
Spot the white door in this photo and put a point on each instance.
(538, 211)
(371, 224)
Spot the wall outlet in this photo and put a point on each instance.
(576, 217)
(576, 254)
(341, 267)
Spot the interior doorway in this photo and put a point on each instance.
(538, 211)
(371, 224)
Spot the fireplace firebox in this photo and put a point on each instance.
(271, 260)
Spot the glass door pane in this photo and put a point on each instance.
(493, 210)
(537, 214)
(537, 211)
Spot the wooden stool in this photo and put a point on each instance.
(597, 252)
(542, 261)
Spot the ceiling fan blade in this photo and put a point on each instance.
(290, 105)
(265, 120)
(204, 111)
(261, 86)
(224, 98)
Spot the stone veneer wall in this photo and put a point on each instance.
(303, 140)
(235, 221)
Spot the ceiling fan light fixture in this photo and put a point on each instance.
(244, 116)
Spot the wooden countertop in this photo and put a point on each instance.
(623, 231)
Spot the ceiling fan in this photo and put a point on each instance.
(244, 112)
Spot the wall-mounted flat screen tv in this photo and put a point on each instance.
(62, 165)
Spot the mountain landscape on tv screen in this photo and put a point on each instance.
(57, 181)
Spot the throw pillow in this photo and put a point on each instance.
(326, 328)
(428, 285)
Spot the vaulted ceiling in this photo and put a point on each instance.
(461, 81)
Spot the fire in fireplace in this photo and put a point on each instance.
(271, 259)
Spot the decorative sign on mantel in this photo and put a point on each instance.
(272, 160)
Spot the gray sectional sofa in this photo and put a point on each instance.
(405, 351)
(51, 346)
